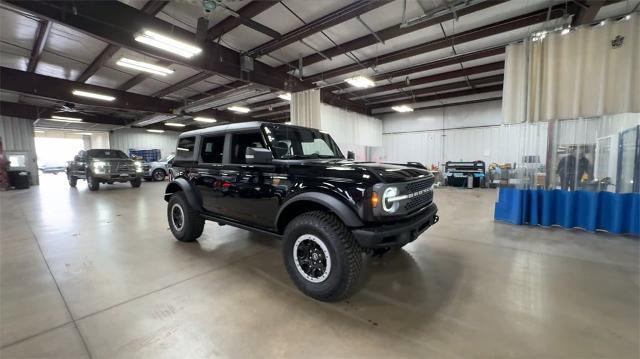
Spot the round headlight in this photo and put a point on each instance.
(390, 207)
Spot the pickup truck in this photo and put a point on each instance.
(98, 166)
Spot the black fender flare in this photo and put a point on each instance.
(182, 184)
(347, 215)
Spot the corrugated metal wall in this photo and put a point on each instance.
(17, 135)
(131, 138)
(436, 136)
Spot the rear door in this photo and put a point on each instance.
(209, 182)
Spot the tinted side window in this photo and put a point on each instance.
(212, 149)
(240, 142)
(185, 146)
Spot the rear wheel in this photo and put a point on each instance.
(185, 222)
(92, 182)
(136, 182)
(158, 175)
(321, 256)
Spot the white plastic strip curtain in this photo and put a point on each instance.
(591, 71)
(305, 108)
(352, 131)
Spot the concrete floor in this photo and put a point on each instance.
(98, 274)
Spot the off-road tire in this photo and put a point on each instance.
(92, 182)
(344, 252)
(73, 181)
(136, 182)
(193, 223)
(158, 174)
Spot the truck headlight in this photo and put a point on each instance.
(389, 202)
(138, 166)
(99, 166)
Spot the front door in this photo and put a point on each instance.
(252, 197)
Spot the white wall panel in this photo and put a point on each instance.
(467, 133)
(130, 138)
(17, 135)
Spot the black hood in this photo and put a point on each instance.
(379, 172)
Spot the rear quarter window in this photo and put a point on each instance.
(186, 147)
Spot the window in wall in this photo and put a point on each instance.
(212, 149)
(240, 142)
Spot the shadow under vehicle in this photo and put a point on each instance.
(294, 183)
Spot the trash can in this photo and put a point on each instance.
(19, 179)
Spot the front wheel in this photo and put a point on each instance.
(185, 222)
(92, 182)
(321, 256)
(136, 182)
(72, 180)
(158, 175)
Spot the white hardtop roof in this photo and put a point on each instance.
(233, 126)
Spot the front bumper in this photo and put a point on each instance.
(397, 234)
(117, 177)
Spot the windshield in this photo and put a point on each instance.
(167, 159)
(106, 154)
(289, 142)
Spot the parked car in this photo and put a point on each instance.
(295, 184)
(157, 170)
(54, 168)
(98, 166)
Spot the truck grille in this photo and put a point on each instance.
(421, 200)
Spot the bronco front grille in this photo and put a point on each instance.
(424, 198)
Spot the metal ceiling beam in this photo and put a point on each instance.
(217, 90)
(386, 34)
(441, 96)
(34, 112)
(494, 66)
(248, 11)
(348, 12)
(182, 84)
(446, 105)
(20, 110)
(434, 89)
(267, 112)
(453, 60)
(151, 7)
(463, 37)
(587, 11)
(61, 89)
(44, 27)
(117, 23)
(338, 101)
(275, 102)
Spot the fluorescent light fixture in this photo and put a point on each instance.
(402, 108)
(603, 22)
(155, 131)
(174, 124)
(205, 119)
(65, 118)
(360, 81)
(565, 31)
(38, 131)
(84, 133)
(238, 109)
(182, 149)
(97, 96)
(285, 96)
(144, 66)
(168, 44)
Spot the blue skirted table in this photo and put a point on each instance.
(612, 212)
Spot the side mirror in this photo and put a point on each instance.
(258, 155)
(351, 156)
(76, 158)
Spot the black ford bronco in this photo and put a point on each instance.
(294, 183)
